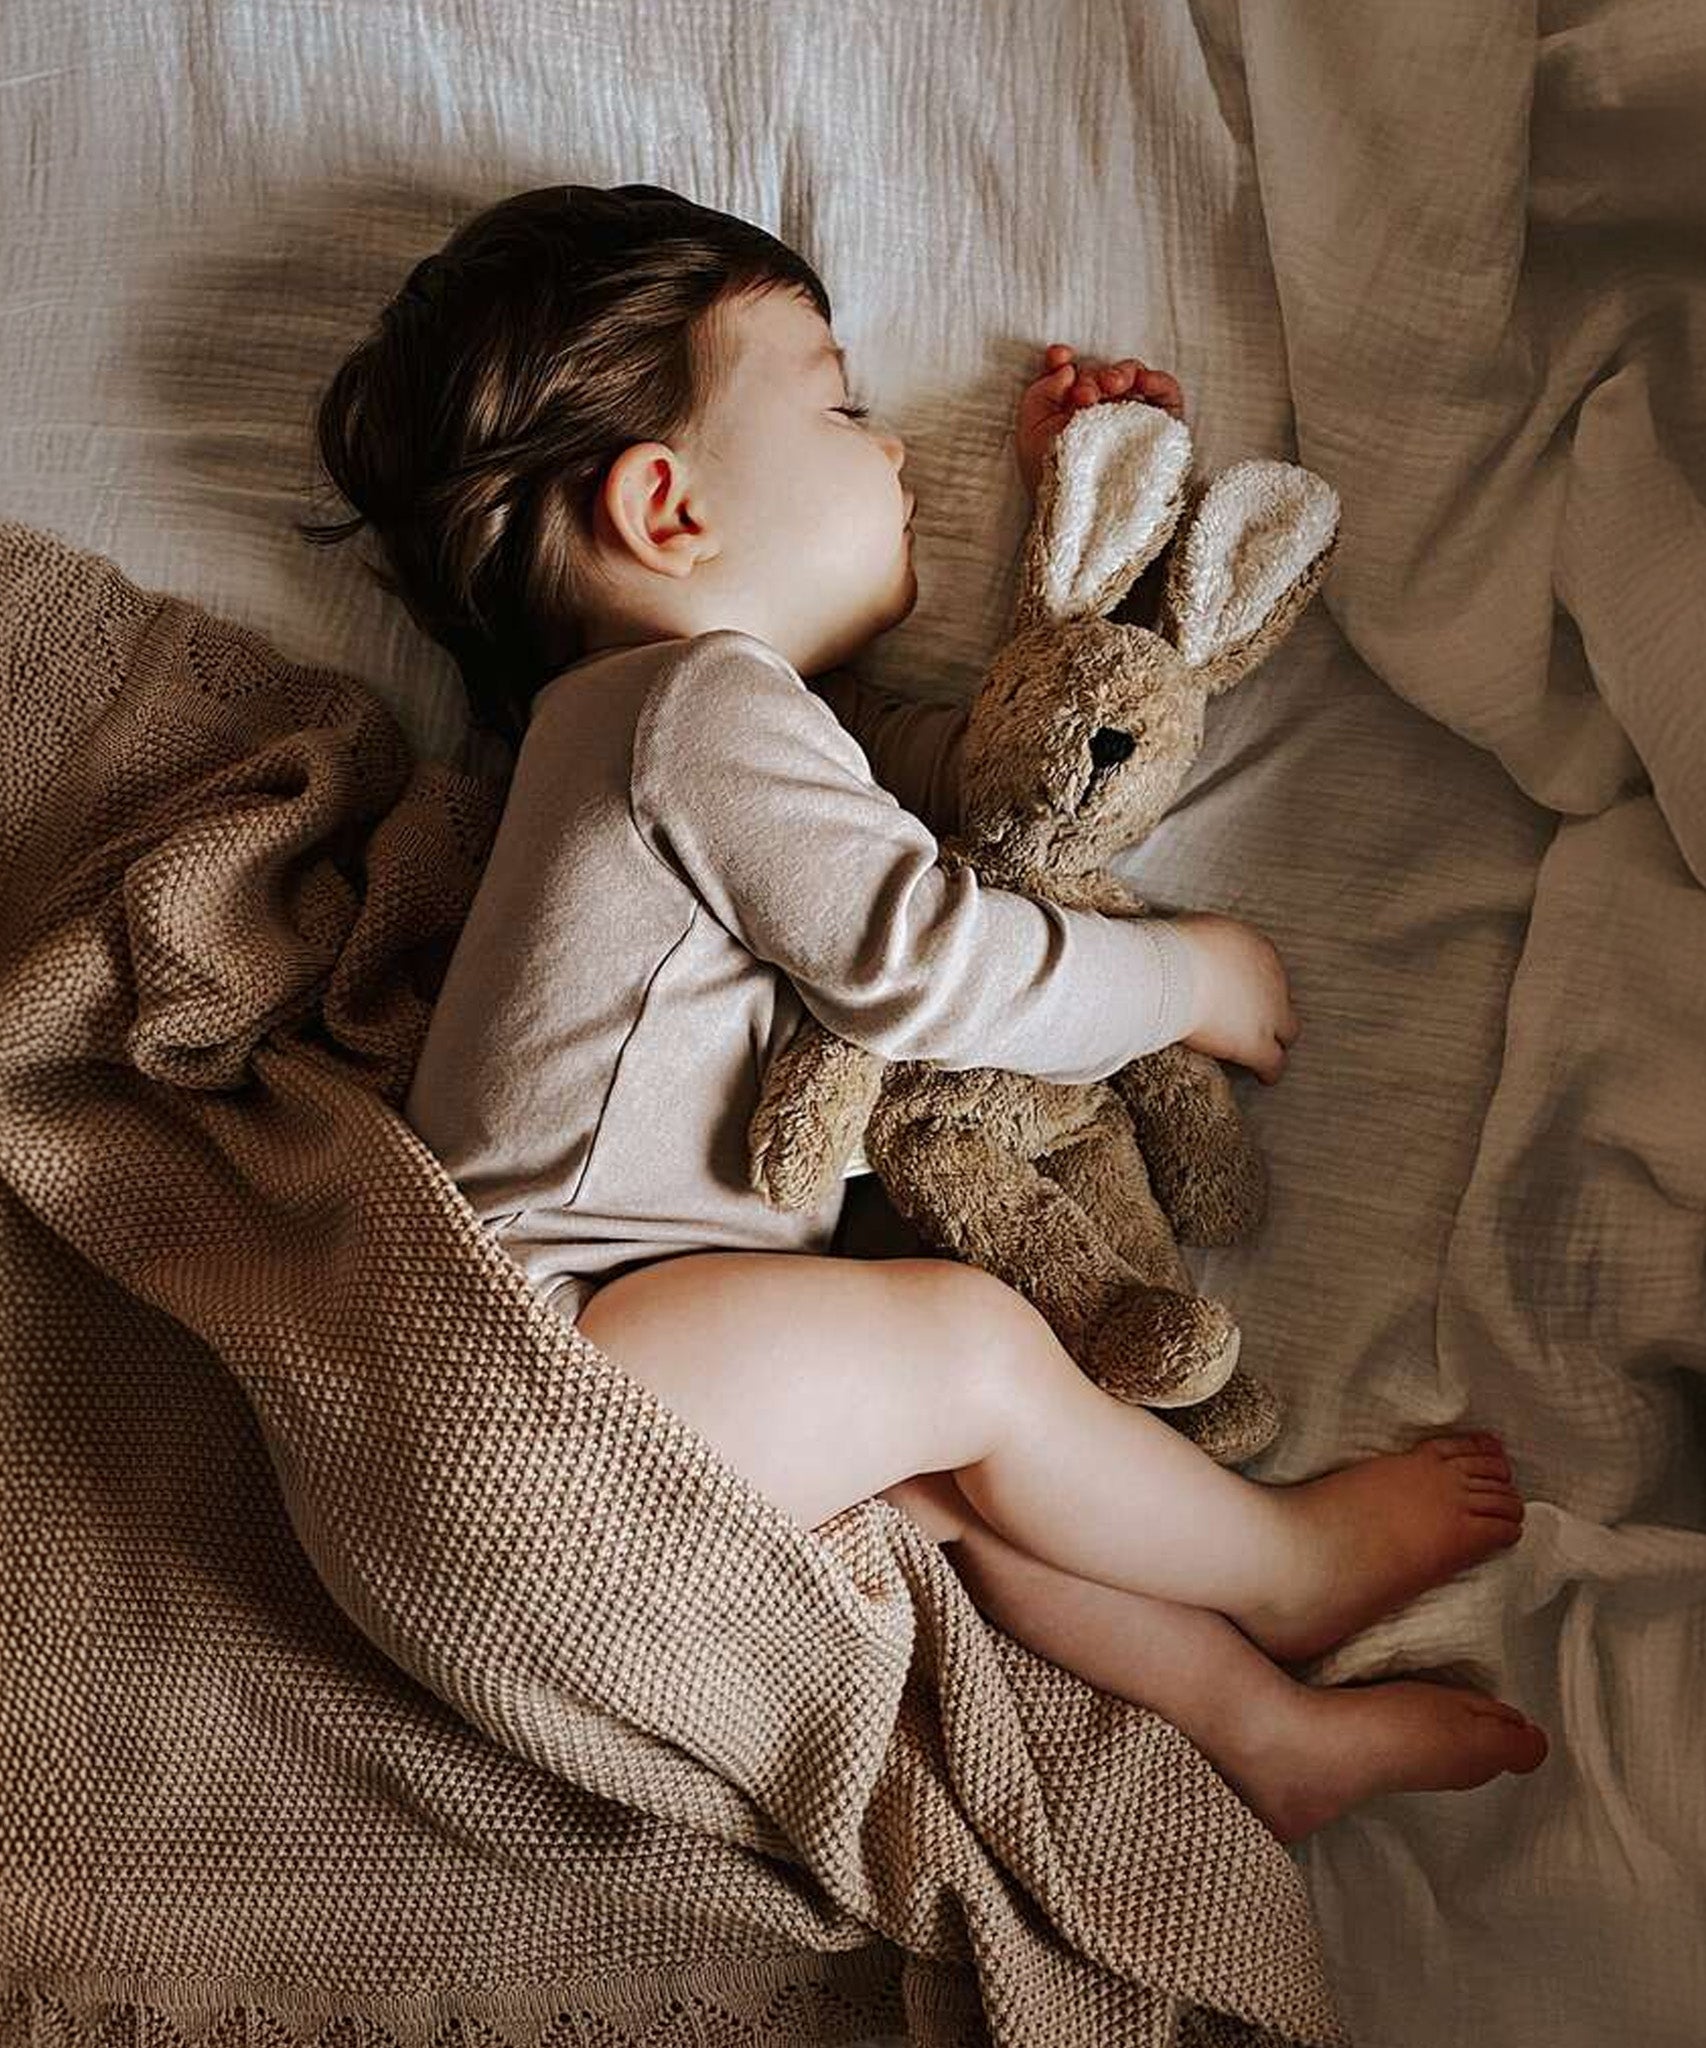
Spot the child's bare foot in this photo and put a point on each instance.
(1356, 1543)
(1342, 1744)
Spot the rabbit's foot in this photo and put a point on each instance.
(1211, 1202)
(1233, 1425)
(1158, 1348)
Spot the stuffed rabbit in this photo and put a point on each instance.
(1080, 737)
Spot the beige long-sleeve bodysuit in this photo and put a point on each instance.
(696, 850)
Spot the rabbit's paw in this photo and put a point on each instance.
(1158, 1348)
(1234, 1425)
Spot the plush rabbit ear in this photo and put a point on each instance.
(1254, 544)
(1111, 492)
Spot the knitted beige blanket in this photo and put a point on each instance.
(381, 1665)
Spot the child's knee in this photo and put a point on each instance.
(934, 1502)
(994, 1342)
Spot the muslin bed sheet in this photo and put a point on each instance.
(1448, 257)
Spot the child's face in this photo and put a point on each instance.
(775, 513)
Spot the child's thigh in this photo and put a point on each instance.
(820, 1379)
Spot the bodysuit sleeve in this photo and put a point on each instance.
(912, 744)
(748, 789)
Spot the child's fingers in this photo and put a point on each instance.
(1069, 384)
(1104, 380)
(1161, 389)
(1130, 378)
(1052, 383)
(1059, 354)
(1158, 387)
(1093, 381)
(1045, 397)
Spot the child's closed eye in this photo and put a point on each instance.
(853, 412)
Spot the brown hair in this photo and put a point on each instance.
(473, 426)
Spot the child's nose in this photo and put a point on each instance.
(896, 447)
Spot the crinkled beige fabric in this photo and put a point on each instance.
(377, 1652)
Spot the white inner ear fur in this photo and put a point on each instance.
(1119, 483)
(1257, 528)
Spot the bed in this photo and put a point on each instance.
(1448, 259)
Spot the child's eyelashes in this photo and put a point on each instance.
(854, 412)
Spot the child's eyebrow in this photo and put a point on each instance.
(830, 351)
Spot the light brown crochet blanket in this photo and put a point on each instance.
(375, 1651)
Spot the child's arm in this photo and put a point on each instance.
(912, 744)
(748, 790)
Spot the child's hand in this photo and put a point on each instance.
(1050, 400)
(1241, 1006)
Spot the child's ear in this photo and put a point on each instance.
(1110, 494)
(656, 508)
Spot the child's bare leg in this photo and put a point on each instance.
(1298, 1755)
(825, 1379)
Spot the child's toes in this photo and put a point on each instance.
(1466, 1446)
(1518, 1744)
(1505, 1712)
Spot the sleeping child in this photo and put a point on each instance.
(605, 441)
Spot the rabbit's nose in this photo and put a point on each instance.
(1109, 746)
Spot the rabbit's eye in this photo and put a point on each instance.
(1109, 746)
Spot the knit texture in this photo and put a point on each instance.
(382, 1665)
